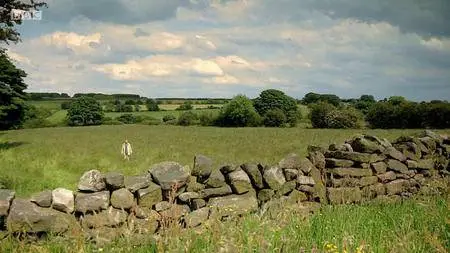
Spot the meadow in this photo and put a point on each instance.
(35, 159)
(32, 160)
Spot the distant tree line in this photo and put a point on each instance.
(328, 111)
(44, 96)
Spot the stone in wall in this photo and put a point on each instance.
(350, 172)
(216, 180)
(149, 196)
(110, 217)
(63, 200)
(197, 217)
(134, 183)
(274, 177)
(239, 181)
(397, 166)
(193, 185)
(409, 149)
(42, 199)
(215, 192)
(366, 145)
(317, 159)
(114, 180)
(254, 173)
(393, 153)
(344, 195)
(89, 202)
(233, 205)
(122, 199)
(203, 167)
(92, 181)
(379, 167)
(6, 197)
(332, 162)
(355, 156)
(170, 174)
(26, 217)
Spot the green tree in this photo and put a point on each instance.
(239, 112)
(397, 100)
(318, 114)
(65, 105)
(367, 98)
(12, 95)
(85, 111)
(364, 103)
(311, 98)
(8, 31)
(152, 105)
(186, 106)
(187, 118)
(274, 118)
(275, 99)
(130, 102)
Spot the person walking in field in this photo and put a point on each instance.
(126, 150)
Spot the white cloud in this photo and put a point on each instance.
(160, 66)
(226, 79)
(21, 59)
(79, 44)
(437, 44)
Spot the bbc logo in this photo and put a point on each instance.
(25, 15)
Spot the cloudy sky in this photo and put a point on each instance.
(220, 48)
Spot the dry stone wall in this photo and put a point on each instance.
(108, 205)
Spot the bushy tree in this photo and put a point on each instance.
(318, 114)
(239, 112)
(312, 98)
(8, 32)
(275, 118)
(399, 113)
(168, 117)
(130, 102)
(207, 118)
(364, 103)
(343, 118)
(436, 114)
(325, 115)
(85, 111)
(124, 108)
(275, 99)
(12, 95)
(186, 106)
(152, 105)
(187, 118)
(65, 105)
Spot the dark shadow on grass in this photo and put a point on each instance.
(8, 145)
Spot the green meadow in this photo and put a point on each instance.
(32, 160)
(35, 159)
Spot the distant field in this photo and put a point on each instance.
(37, 159)
(49, 104)
(60, 115)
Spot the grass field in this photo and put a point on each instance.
(60, 115)
(35, 159)
(32, 160)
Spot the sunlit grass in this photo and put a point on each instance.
(46, 158)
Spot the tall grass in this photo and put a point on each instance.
(36, 159)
